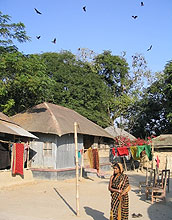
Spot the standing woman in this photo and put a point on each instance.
(119, 187)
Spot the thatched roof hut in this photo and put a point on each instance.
(49, 118)
(8, 127)
(54, 125)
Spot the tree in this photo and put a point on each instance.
(149, 114)
(167, 89)
(24, 82)
(78, 86)
(114, 71)
(10, 31)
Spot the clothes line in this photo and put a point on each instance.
(7, 142)
(135, 151)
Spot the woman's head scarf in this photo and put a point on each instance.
(118, 165)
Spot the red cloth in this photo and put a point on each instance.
(122, 151)
(18, 152)
(113, 151)
(157, 161)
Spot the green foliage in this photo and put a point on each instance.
(167, 89)
(24, 82)
(114, 71)
(78, 87)
(149, 114)
(10, 31)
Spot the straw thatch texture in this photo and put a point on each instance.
(7, 126)
(49, 118)
(116, 132)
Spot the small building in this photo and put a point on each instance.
(53, 155)
(11, 133)
(163, 150)
(119, 132)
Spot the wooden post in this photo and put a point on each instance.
(12, 157)
(152, 154)
(28, 142)
(152, 160)
(166, 163)
(77, 168)
(124, 163)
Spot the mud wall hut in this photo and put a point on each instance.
(163, 150)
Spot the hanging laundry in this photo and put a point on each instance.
(157, 161)
(133, 150)
(18, 152)
(122, 151)
(148, 151)
(147, 148)
(90, 156)
(95, 159)
(140, 148)
(113, 151)
(79, 154)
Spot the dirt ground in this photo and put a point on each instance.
(55, 200)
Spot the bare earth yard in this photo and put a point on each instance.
(52, 200)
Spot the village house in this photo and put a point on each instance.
(52, 156)
(10, 134)
(162, 147)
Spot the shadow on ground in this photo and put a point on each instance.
(160, 210)
(64, 200)
(96, 215)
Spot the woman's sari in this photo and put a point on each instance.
(120, 202)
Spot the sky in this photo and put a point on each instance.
(106, 25)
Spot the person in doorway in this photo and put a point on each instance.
(119, 188)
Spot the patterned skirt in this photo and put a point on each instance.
(119, 207)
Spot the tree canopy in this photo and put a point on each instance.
(100, 87)
(10, 31)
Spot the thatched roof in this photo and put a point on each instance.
(4, 117)
(116, 132)
(7, 126)
(163, 141)
(54, 119)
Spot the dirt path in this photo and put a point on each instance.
(52, 200)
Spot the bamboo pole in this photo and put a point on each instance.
(152, 159)
(28, 154)
(77, 168)
(152, 154)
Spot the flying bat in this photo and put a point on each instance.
(38, 12)
(84, 8)
(54, 41)
(149, 48)
(134, 16)
(38, 37)
(142, 4)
